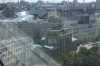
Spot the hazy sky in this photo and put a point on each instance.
(49, 0)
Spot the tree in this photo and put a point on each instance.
(83, 51)
(85, 57)
(92, 38)
(85, 39)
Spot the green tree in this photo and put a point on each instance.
(85, 57)
(85, 39)
(92, 38)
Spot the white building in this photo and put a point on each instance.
(13, 47)
(82, 30)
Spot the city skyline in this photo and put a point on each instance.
(54, 1)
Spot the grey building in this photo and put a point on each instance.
(56, 42)
(97, 1)
(13, 45)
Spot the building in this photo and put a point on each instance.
(75, 1)
(83, 19)
(13, 45)
(79, 31)
(97, 1)
(39, 3)
(12, 50)
(64, 2)
(23, 3)
(56, 42)
(62, 37)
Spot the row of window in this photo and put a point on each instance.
(86, 27)
(8, 59)
(80, 28)
(82, 35)
(19, 49)
(10, 50)
(11, 63)
(84, 31)
(12, 57)
(77, 36)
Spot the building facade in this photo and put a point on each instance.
(62, 37)
(79, 31)
(55, 43)
(12, 50)
(13, 45)
(97, 1)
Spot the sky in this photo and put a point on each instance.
(51, 0)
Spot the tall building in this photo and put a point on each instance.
(97, 1)
(13, 44)
(56, 42)
(62, 38)
(75, 1)
(39, 3)
(22, 3)
(79, 31)
(64, 2)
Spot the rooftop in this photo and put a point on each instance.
(74, 39)
(60, 32)
(43, 38)
(48, 46)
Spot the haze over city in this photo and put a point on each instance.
(57, 1)
(49, 32)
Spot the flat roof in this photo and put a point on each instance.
(43, 38)
(48, 46)
(74, 39)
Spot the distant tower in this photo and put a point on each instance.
(84, 3)
(22, 2)
(75, 1)
(64, 2)
(3, 1)
(97, 1)
(18, 1)
(68, 3)
(13, 2)
(39, 2)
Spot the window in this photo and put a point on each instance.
(8, 53)
(8, 59)
(16, 50)
(19, 25)
(8, 47)
(11, 46)
(2, 50)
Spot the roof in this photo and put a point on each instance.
(48, 46)
(38, 12)
(74, 39)
(22, 18)
(43, 38)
